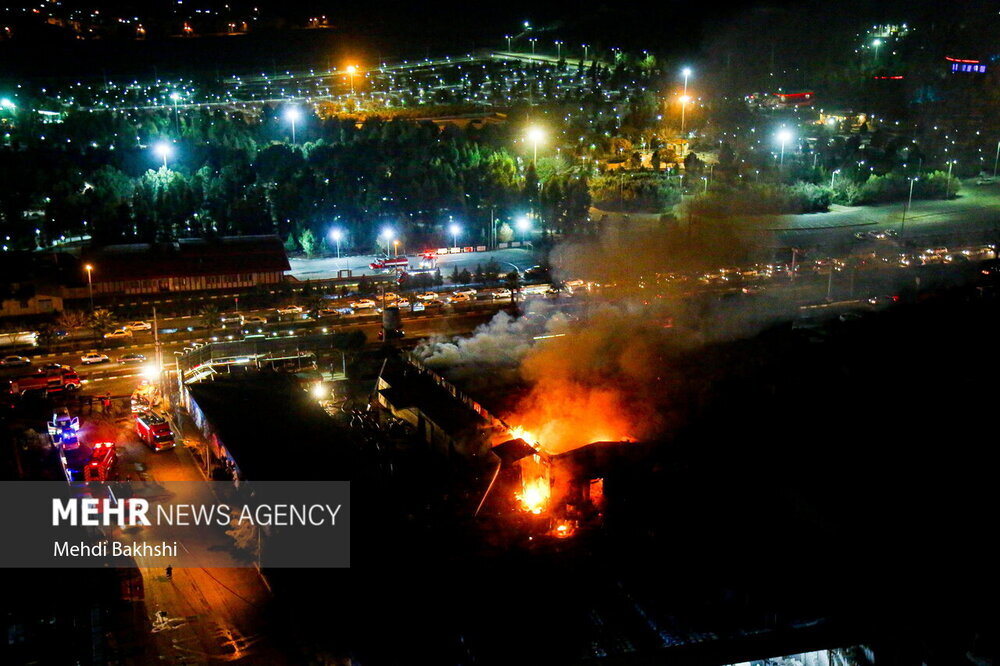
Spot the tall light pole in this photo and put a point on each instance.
(175, 97)
(395, 247)
(684, 100)
(535, 135)
(523, 225)
(337, 235)
(388, 235)
(687, 73)
(558, 50)
(833, 177)
(532, 40)
(90, 285)
(996, 159)
(454, 230)
(292, 114)
(909, 202)
(351, 71)
(947, 183)
(586, 51)
(163, 149)
(508, 42)
(876, 43)
(784, 136)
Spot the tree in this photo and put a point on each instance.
(210, 315)
(465, 277)
(309, 243)
(102, 321)
(455, 276)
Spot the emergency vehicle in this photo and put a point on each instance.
(64, 430)
(89, 463)
(48, 380)
(389, 263)
(154, 430)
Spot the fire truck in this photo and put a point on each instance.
(89, 463)
(390, 263)
(154, 430)
(49, 381)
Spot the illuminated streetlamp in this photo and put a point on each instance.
(337, 235)
(532, 40)
(558, 50)
(164, 150)
(387, 235)
(833, 177)
(508, 42)
(909, 202)
(784, 136)
(996, 159)
(687, 73)
(684, 100)
(947, 184)
(351, 71)
(876, 43)
(7, 104)
(523, 225)
(535, 135)
(175, 97)
(454, 230)
(586, 51)
(292, 115)
(90, 284)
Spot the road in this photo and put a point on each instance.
(321, 269)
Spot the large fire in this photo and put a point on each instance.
(534, 495)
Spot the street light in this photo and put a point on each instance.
(687, 73)
(558, 50)
(351, 71)
(535, 135)
(7, 104)
(684, 100)
(164, 150)
(508, 42)
(454, 230)
(523, 225)
(337, 235)
(833, 177)
(90, 284)
(175, 97)
(784, 136)
(876, 43)
(388, 235)
(996, 159)
(586, 51)
(532, 40)
(395, 248)
(947, 183)
(909, 202)
(292, 115)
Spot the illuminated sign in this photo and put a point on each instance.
(964, 65)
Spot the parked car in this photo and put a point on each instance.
(15, 361)
(255, 319)
(118, 334)
(139, 326)
(94, 357)
(330, 312)
(468, 291)
(503, 292)
(363, 304)
(125, 359)
(290, 309)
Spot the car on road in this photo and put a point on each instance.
(468, 291)
(459, 297)
(118, 334)
(94, 357)
(14, 361)
(139, 326)
(125, 359)
(330, 312)
(536, 274)
(363, 304)
(502, 292)
(255, 319)
(290, 309)
(427, 296)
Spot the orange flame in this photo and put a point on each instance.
(534, 495)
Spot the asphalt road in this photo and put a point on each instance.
(320, 269)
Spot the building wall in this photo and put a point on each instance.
(181, 284)
(36, 305)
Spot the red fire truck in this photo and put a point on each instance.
(389, 263)
(89, 463)
(48, 380)
(154, 430)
